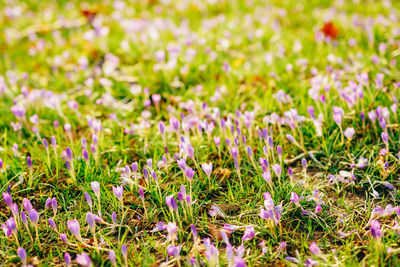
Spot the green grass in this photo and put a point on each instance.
(257, 40)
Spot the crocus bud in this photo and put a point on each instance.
(376, 231)
(88, 200)
(27, 205)
(67, 259)
(54, 205)
(207, 168)
(53, 141)
(277, 169)
(22, 255)
(173, 250)
(304, 163)
(194, 231)
(85, 154)
(118, 192)
(114, 217)
(279, 150)
(52, 223)
(161, 127)
(189, 172)
(75, 229)
(124, 250)
(171, 202)
(63, 237)
(83, 259)
(315, 249)
(290, 138)
(112, 257)
(91, 221)
(48, 203)
(385, 137)
(96, 188)
(24, 219)
(7, 198)
(68, 165)
(45, 143)
(29, 162)
(141, 193)
(290, 172)
(68, 151)
(249, 151)
(34, 217)
(134, 167)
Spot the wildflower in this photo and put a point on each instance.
(124, 251)
(112, 257)
(376, 231)
(22, 256)
(211, 252)
(248, 233)
(7, 198)
(172, 231)
(74, 227)
(277, 169)
(118, 192)
(189, 172)
(96, 188)
(83, 259)
(207, 168)
(349, 132)
(67, 259)
(27, 205)
(52, 223)
(315, 249)
(174, 250)
(294, 198)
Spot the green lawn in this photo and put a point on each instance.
(191, 133)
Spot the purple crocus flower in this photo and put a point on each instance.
(174, 124)
(90, 220)
(52, 223)
(207, 168)
(48, 203)
(27, 205)
(277, 169)
(349, 132)
(385, 137)
(118, 192)
(304, 163)
(22, 256)
(54, 205)
(34, 217)
(112, 257)
(248, 233)
(315, 249)
(189, 172)
(161, 127)
(294, 198)
(96, 188)
(7, 198)
(173, 250)
(376, 231)
(171, 202)
(75, 229)
(68, 152)
(88, 200)
(29, 162)
(83, 259)
(67, 259)
(134, 167)
(64, 238)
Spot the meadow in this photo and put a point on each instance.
(199, 133)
